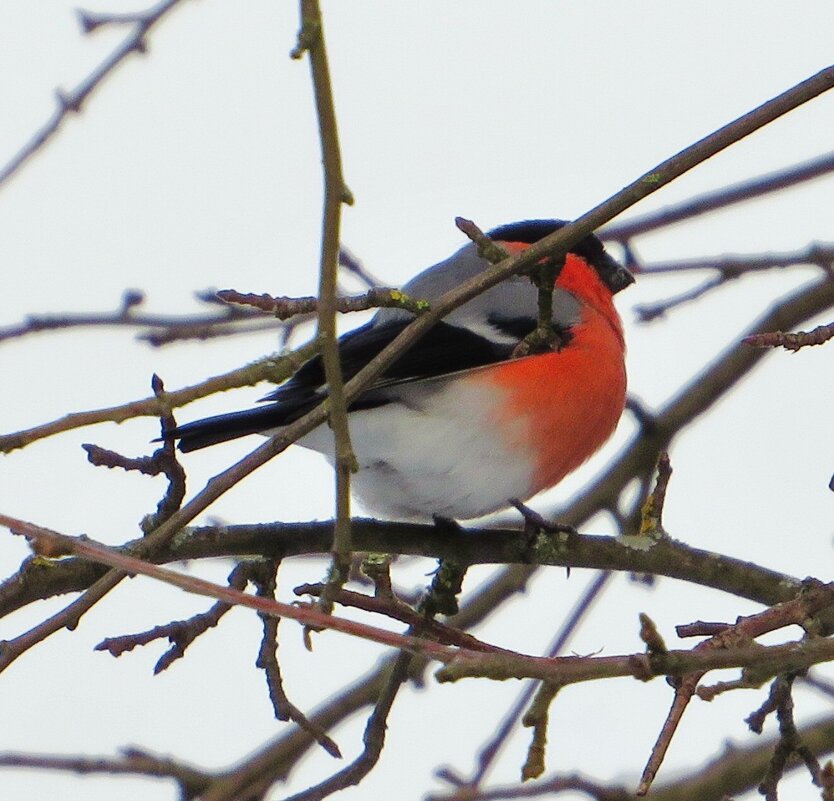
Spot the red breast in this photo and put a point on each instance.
(562, 406)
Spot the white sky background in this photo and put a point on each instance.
(197, 166)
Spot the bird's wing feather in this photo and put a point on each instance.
(443, 350)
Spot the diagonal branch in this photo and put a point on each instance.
(734, 772)
(275, 368)
(624, 230)
(72, 101)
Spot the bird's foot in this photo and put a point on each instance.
(645, 417)
(446, 525)
(534, 522)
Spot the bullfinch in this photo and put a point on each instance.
(457, 427)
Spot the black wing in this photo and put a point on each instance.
(444, 349)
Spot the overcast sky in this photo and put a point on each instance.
(197, 166)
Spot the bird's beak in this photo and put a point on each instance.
(621, 279)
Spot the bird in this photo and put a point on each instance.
(457, 427)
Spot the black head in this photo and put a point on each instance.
(612, 273)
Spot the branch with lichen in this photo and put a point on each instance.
(283, 307)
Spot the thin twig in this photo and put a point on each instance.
(275, 368)
(727, 268)
(487, 249)
(132, 761)
(373, 739)
(441, 595)
(818, 336)
(819, 254)
(489, 751)
(651, 513)
(157, 327)
(180, 633)
(71, 102)
(263, 574)
(397, 610)
(780, 700)
(649, 312)
(284, 307)
(311, 41)
(355, 267)
(624, 230)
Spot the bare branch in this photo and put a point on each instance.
(180, 633)
(336, 192)
(284, 307)
(52, 544)
(780, 700)
(263, 574)
(72, 101)
(270, 368)
(820, 335)
(664, 558)
(397, 610)
(488, 752)
(133, 761)
(720, 198)
(735, 771)
(649, 312)
(157, 328)
(356, 268)
(727, 269)
(731, 266)
(667, 557)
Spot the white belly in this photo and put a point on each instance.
(435, 451)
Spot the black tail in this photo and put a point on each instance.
(223, 427)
